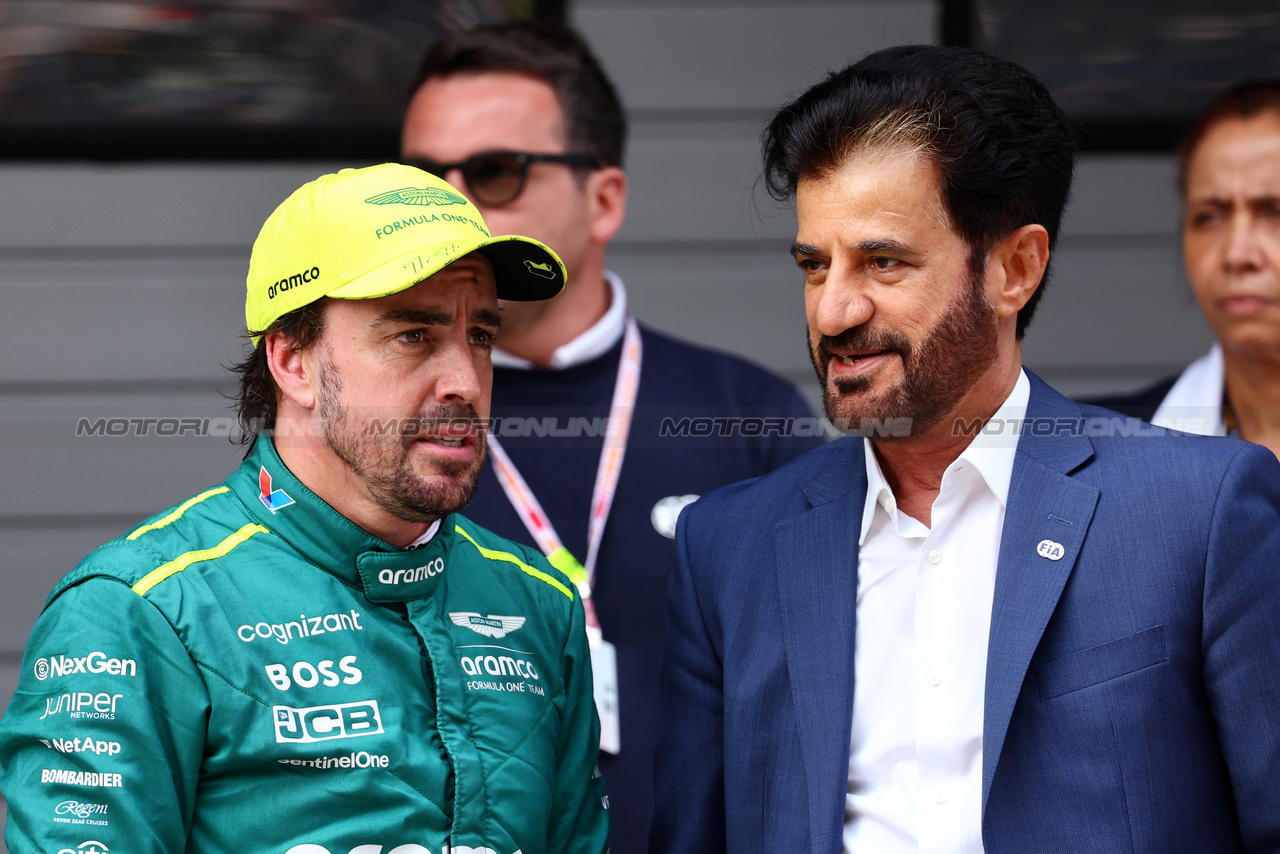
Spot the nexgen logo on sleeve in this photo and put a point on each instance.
(323, 723)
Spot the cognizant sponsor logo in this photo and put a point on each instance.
(94, 662)
(408, 576)
(82, 705)
(349, 760)
(307, 675)
(323, 723)
(82, 745)
(303, 627)
(89, 779)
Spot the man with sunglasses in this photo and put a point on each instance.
(522, 119)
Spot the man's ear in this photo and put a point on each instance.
(606, 202)
(1015, 268)
(289, 368)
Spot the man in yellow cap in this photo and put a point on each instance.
(522, 119)
(320, 655)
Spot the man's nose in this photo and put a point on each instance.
(840, 305)
(457, 375)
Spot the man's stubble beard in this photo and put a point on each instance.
(381, 459)
(937, 373)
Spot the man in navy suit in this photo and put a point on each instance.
(1002, 621)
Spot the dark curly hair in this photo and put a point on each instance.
(1004, 151)
(256, 400)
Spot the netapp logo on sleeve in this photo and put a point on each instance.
(323, 723)
(82, 745)
(89, 779)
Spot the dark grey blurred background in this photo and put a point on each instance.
(121, 283)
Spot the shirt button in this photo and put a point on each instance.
(935, 556)
(935, 679)
(939, 797)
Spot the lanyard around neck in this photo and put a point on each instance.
(625, 389)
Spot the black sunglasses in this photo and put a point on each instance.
(496, 178)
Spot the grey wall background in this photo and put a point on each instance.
(122, 286)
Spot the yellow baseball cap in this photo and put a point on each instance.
(373, 232)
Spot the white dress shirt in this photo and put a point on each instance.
(1194, 403)
(920, 656)
(602, 337)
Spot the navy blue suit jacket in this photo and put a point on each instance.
(1133, 686)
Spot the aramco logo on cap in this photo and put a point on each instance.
(417, 196)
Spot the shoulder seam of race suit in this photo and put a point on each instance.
(177, 512)
(182, 561)
(494, 554)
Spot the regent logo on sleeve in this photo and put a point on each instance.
(79, 812)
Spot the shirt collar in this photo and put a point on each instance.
(991, 453)
(1194, 403)
(331, 541)
(602, 337)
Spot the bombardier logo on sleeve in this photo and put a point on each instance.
(492, 626)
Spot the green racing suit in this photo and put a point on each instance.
(251, 671)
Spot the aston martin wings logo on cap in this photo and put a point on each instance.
(417, 196)
(493, 626)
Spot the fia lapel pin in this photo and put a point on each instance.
(1050, 549)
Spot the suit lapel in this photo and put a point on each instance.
(1045, 524)
(817, 562)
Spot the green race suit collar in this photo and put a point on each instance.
(330, 540)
